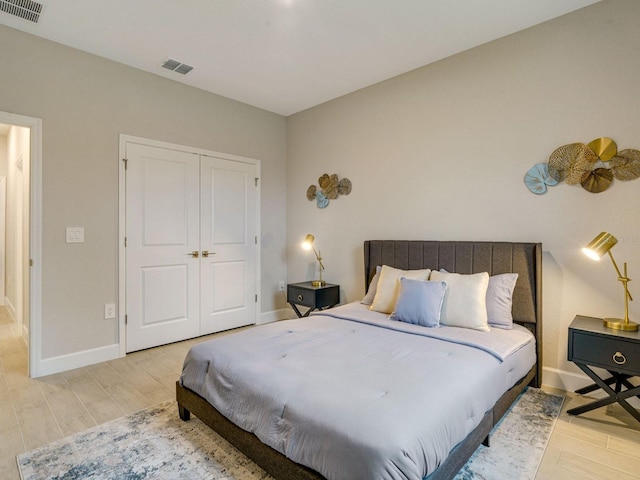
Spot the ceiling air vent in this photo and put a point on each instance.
(175, 66)
(25, 9)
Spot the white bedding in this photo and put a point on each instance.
(354, 395)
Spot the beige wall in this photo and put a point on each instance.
(440, 153)
(85, 102)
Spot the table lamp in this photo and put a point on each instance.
(307, 244)
(595, 250)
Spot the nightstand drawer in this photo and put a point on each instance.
(611, 353)
(301, 296)
(314, 297)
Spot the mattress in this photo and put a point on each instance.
(354, 395)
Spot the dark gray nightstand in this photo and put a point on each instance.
(593, 345)
(316, 298)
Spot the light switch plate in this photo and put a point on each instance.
(109, 310)
(75, 234)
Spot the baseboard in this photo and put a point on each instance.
(563, 380)
(570, 382)
(49, 366)
(275, 315)
(62, 363)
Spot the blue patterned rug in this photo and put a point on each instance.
(156, 444)
(518, 441)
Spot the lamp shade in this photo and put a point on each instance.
(308, 241)
(600, 245)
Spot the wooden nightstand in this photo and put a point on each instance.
(617, 351)
(316, 298)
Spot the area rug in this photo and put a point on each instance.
(518, 441)
(156, 444)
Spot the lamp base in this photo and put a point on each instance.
(620, 324)
(318, 283)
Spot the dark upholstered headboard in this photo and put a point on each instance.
(525, 259)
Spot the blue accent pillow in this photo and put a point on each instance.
(419, 302)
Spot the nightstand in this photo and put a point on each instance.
(591, 344)
(316, 298)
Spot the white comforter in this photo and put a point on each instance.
(350, 395)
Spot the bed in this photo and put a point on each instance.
(303, 427)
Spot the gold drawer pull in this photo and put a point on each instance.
(300, 298)
(619, 358)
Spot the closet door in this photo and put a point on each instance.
(228, 243)
(162, 246)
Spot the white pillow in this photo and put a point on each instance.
(373, 288)
(389, 284)
(465, 303)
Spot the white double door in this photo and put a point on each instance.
(191, 245)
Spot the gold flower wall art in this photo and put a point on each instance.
(594, 166)
(330, 189)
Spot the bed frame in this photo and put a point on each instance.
(461, 257)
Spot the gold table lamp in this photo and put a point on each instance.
(307, 244)
(595, 250)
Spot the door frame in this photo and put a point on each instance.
(34, 319)
(122, 287)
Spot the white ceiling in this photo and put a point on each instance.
(284, 55)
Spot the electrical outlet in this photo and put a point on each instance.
(281, 286)
(109, 310)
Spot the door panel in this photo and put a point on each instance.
(228, 232)
(166, 195)
(225, 293)
(162, 227)
(228, 203)
(165, 293)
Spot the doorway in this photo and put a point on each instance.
(20, 161)
(189, 224)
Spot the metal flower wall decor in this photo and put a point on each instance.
(330, 189)
(594, 166)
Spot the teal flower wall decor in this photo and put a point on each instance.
(538, 177)
(321, 200)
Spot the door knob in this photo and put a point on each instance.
(206, 253)
(194, 254)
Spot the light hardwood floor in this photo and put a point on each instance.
(602, 444)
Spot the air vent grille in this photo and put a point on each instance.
(170, 64)
(183, 69)
(175, 66)
(25, 9)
